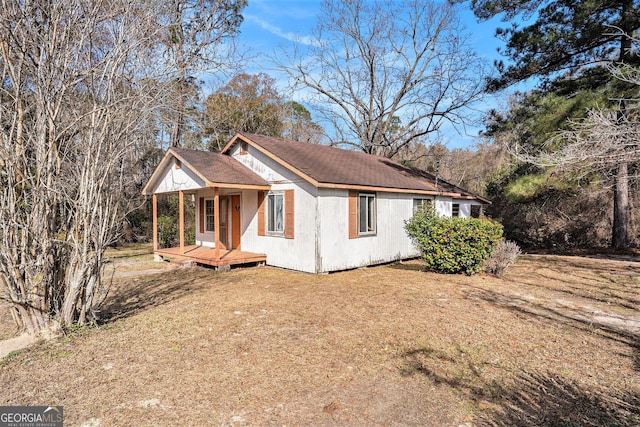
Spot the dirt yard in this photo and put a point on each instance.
(555, 342)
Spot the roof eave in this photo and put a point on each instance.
(165, 160)
(272, 156)
(318, 184)
(239, 186)
(401, 190)
(480, 198)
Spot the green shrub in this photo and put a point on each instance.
(167, 231)
(453, 245)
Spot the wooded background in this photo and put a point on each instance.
(92, 92)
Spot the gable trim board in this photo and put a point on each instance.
(191, 162)
(164, 163)
(320, 213)
(271, 156)
(255, 141)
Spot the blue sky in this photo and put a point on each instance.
(271, 23)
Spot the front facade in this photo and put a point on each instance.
(300, 206)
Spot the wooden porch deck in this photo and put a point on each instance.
(207, 256)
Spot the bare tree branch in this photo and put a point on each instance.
(80, 89)
(386, 73)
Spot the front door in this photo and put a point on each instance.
(235, 222)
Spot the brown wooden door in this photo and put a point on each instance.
(235, 222)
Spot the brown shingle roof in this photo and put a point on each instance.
(218, 168)
(330, 165)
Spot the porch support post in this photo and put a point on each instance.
(181, 225)
(216, 220)
(154, 204)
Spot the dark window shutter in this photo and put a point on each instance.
(289, 217)
(261, 219)
(353, 214)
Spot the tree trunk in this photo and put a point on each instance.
(70, 305)
(30, 318)
(178, 39)
(619, 238)
(620, 207)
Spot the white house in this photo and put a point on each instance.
(299, 206)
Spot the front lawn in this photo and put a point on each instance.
(555, 342)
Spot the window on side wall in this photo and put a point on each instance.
(366, 214)
(455, 210)
(275, 213)
(419, 203)
(209, 220)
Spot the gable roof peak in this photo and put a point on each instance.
(214, 169)
(328, 166)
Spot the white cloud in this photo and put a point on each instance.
(306, 40)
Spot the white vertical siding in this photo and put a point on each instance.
(172, 179)
(248, 216)
(298, 253)
(465, 209)
(267, 168)
(390, 243)
(443, 206)
(207, 238)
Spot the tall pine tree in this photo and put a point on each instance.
(569, 45)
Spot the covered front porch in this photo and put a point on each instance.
(207, 256)
(218, 230)
(223, 192)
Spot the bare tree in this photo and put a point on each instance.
(78, 96)
(388, 73)
(197, 37)
(469, 168)
(606, 145)
(599, 143)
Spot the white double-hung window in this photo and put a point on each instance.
(275, 213)
(366, 213)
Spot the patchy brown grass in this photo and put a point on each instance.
(555, 342)
(7, 326)
(128, 250)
